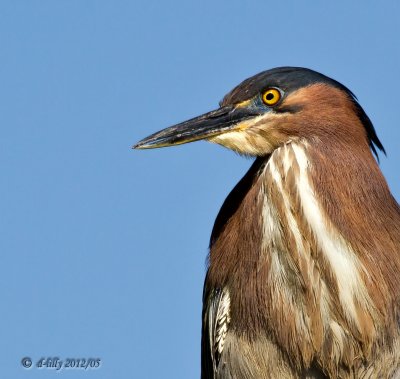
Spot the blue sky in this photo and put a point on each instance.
(103, 248)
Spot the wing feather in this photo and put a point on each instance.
(216, 319)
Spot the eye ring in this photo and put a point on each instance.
(271, 96)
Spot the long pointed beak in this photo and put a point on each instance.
(202, 127)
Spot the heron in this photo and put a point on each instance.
(303, 276)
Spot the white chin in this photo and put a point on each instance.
(243, 143)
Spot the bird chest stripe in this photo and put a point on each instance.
(292, 223)
(340, 256)
(294, 284)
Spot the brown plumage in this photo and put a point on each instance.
(303, 278)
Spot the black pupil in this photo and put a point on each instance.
(270, 96)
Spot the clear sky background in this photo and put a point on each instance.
(103, 248)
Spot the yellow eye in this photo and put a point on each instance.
(271, 96)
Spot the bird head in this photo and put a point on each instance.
(273, 108)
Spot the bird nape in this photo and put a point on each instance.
(303, 278)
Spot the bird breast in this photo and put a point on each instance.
(289, 272)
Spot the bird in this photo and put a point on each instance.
(303, 275)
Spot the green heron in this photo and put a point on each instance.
(304, 265)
